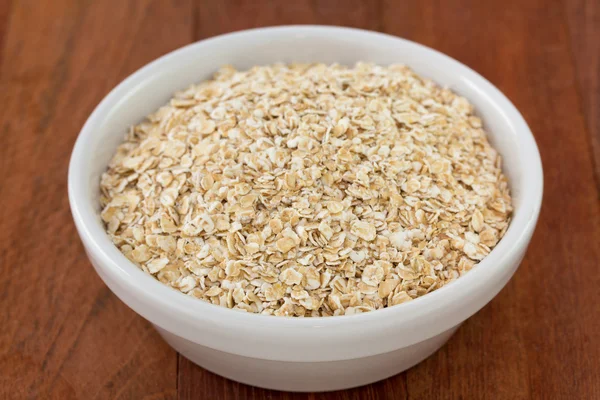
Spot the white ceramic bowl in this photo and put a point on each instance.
(302, 354)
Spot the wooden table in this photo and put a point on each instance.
(64, 335)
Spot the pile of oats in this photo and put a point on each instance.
(308, 190)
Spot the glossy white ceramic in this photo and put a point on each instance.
(302, 354)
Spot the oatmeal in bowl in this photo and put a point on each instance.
(308, 189)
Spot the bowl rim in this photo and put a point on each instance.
(119, 268)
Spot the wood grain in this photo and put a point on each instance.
(583, 18)
(65, 335)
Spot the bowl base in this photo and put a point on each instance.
(306, 376)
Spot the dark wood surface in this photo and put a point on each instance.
(64, 335)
